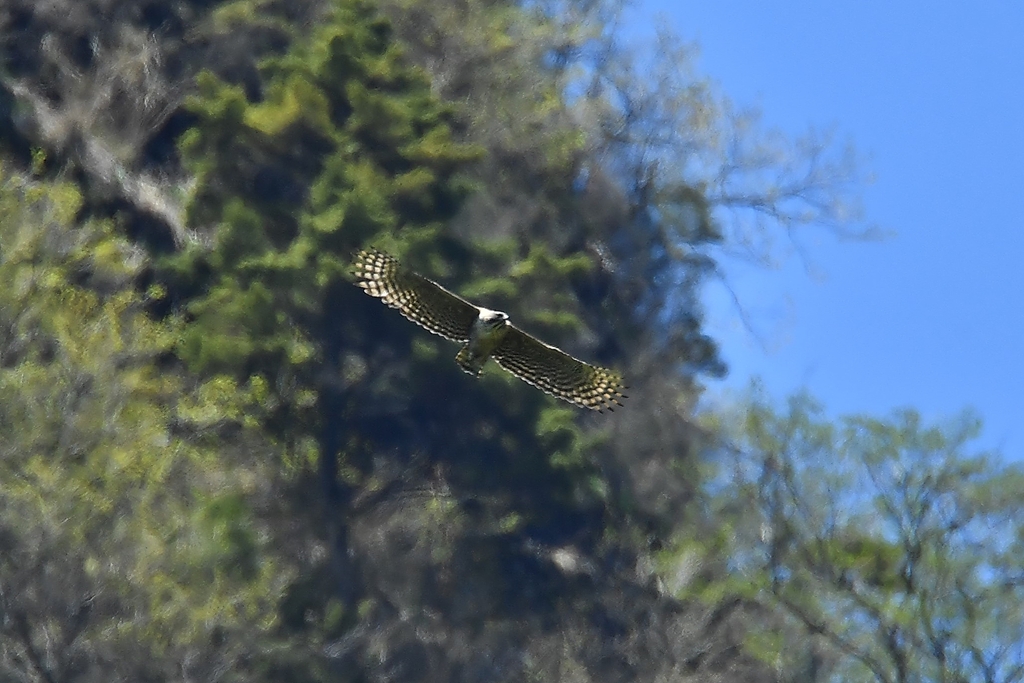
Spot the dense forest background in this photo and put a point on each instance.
(220, 461)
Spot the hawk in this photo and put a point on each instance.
(485, 334)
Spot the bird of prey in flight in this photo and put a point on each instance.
(485, 334)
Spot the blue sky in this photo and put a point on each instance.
(932, 96)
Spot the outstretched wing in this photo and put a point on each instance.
(422, 301)
(556, 372)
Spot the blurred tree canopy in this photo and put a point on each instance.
(890, 547)
(128, 538)
(221, 461)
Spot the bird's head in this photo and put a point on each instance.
(493, 319)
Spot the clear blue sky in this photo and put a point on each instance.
(932, 96)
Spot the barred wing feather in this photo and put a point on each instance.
(559, 374)
(422, 301)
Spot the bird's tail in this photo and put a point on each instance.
(467, 362)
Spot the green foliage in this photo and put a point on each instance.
(101, 551)
(889, 541)
(347, 145)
